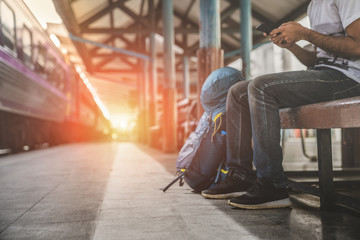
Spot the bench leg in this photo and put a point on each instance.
(326, 181)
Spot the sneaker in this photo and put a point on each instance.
(233, 186)
(261, 196)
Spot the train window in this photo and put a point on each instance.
(27, 45)
(51, 70)
(40, 61)
(61, 79)
(7, 16)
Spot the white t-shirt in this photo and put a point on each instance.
(331, 17)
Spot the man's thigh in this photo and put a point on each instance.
(296, 88)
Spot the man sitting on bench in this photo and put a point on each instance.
(253, 106)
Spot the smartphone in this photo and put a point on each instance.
(265, 28)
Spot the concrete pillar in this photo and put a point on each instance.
(246, 36)
(169, 121)
(210, 55)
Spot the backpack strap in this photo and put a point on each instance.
(180, 177)
(217, 178)
(215, 127)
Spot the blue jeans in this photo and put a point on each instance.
(253, 113)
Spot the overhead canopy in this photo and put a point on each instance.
(124, 24)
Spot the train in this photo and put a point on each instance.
(43, 98)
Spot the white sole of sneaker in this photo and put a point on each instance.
(223, 196)
(283, 203)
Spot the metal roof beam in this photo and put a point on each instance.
(298, 12)
(182, 30)
(106, 41)
(189, 8)
(111, 20)
(142, 7)
(84, 26)
(100, 14)
(226, 13)
(111, 57)
(235, 4)
(103, 62)
(185, 20)
(261, 18)
(118, 31)
(117, 70)
(178, 30)
(63, 8)
(133, 15)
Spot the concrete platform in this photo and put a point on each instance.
(113, 191)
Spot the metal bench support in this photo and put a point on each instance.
(342, 113)
(326, 179)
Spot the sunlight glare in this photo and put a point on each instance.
(93, 93)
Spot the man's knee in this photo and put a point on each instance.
(260, 83)
(238, 90)
(263, 84)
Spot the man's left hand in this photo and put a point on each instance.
(289, 32)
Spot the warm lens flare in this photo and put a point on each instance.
(93, 92)
(124, 122)
(124, 127)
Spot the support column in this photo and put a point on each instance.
(143, 98)
(146, 99)
(140, 103)
(210, 55)
(186, 72)
(246, 36)
(169, 121)
(153, 83)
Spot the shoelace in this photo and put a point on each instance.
(226, 181)
(255, 187)
(227, 178)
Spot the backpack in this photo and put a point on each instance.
(202, 159)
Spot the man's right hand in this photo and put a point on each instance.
(307, 58)
(288, 34)
(278, 42)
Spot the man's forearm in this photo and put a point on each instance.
(343, 46)
(306, 57)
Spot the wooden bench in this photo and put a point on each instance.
(343, 113)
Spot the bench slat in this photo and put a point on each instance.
(343, 113)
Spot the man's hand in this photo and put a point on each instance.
(278, 42)
(288, 34)
(347, 46)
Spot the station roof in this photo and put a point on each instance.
(122, 23)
